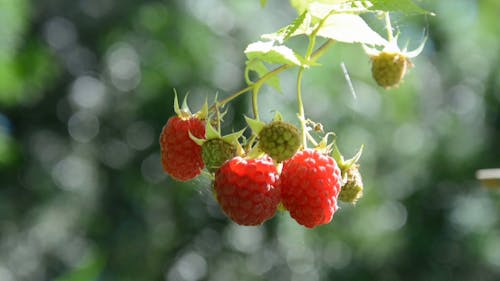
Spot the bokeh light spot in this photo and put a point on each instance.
(83, 126)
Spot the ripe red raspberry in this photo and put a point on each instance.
(310, 183)
(180, 155)
(247, 191)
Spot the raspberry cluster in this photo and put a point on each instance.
(278, 166)
(254, 178)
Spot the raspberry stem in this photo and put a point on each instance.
(310, 59)
(313, 57)
(302, 117)
(255, 102)
(388, 27)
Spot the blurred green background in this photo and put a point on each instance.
(86, 86)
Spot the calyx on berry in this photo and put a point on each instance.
(217, 149)
(389, 66)
(352, 182)
(278, 139)
(180, 155)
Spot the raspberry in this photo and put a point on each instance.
(280, 140)
(352, 190)
(181, 156)
(215, 152)
(247, 189)
(310, 183)
(388, 69)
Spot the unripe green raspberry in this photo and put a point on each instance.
(280, 140)
(352, 190)
(388, 69)
(215, 152)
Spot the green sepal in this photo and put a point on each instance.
(337, 155)
(281, 207)
(350, 162)
(211, 132)
(278, 116)
(203, 112)
(177, 109)
(346, 164)
(255, 125)
(255, 152)
(418, 50)
(196, 140)
(184, 106)
(233, 138)
(324, 146)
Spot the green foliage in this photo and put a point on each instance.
(423, 215)
(268, 52)
(348, 28)
(337, 20)
(89, 270)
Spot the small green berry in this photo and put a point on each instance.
(215, 152)
(280, 140)
(388, 69)
(352, 190)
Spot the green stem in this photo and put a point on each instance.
(302, 117)
(257, 84)
(388, 27)
(255, 102)
(313, 57)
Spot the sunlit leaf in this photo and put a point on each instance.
(350, 28)
(267, 52)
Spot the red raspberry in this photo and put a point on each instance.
(247, 191)
(180, 155)
(310, 183)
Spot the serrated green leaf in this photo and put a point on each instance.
(260, 68)
(349, 28)
(290, 29)
(404, 6)
(267, 52)
(301, 25)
